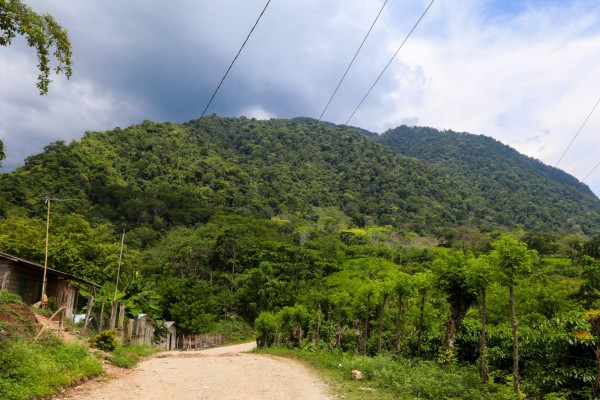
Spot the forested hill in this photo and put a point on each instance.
(505, 187)
(162, 174)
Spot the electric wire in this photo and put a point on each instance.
(234, 59)
(392, 59)
(591, 172)
(577, 134)
(352, 62)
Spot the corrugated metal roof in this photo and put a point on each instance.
(50, 271)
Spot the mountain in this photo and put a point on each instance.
(415, 179)
(504, 187)
(163, 174)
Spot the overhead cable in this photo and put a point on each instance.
(352, 62)
(392, 59)
(235, 58)
(591, 172)
(577, 134)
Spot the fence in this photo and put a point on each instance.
(198, 341)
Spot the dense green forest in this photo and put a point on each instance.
(322, 238)
(504, 187)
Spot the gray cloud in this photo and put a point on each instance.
(491, 67)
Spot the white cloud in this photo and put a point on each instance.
(522, 72)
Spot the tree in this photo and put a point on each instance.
(512, 257)
(42, 32)
(2, 154)
(452, 278)
(480, 277)
(403, 289)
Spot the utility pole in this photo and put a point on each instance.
(119, 267)
(44, 299)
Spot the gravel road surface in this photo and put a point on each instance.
(223, 373)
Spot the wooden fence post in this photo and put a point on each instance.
(88, 312)
(120, 325)
(113, 315)
(4, 281)
(100, 320)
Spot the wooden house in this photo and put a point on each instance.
(141, 330)
(170, 340)
(25, 278)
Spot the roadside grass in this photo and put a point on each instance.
(129, 356)
(387, 377)
(37, 369)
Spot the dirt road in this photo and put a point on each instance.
(220, 374)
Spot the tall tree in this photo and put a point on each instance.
(480, 277)
(513, 258)
(451, 277)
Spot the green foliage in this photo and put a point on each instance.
(266, 327)
(42, 33)
(129, 356)
(505, 188)
(104, 340)
(399, 378)
(6, 297)
(36, 370)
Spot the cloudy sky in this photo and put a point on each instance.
(522, 71)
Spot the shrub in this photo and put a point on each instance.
(105, 340)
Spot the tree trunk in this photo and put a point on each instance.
(450, 339)
(366, 327)
(318, 323)
(421, 322)
(597, 383)
(380, 323)
(513, 320)
(399, 324)
(483, 372)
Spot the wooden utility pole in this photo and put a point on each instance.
(44, 299)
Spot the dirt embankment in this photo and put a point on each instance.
(216, 374)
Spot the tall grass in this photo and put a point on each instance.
(29, 369)
(130, 356)
(397, 378)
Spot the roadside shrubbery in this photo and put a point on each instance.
(37, 369)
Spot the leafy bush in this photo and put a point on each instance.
(104, 340)
(266, 328)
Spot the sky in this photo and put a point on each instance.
(524, 72)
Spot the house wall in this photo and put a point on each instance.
(27, 283)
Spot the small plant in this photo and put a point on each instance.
(105, 340)
(6, 297)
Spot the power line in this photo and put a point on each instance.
(235, 58)
(591, 172)
(392, 59)
(577, 134)
(352, 62)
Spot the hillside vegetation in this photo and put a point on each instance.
(326, 240)
(504, 188)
